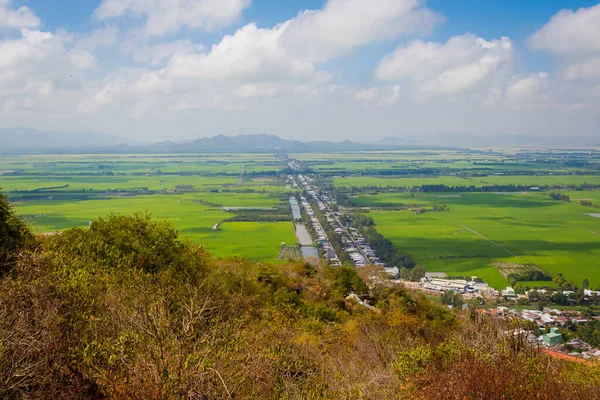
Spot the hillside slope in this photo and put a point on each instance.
(126, 309)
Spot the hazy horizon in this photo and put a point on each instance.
(358, 70)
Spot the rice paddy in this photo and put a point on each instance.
(54, 193)
(472, 236)
(480, 229)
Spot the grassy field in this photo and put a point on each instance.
(140, 164)
(481, 228)
(114, 183)
(259, 241)
(527, 180)
(57, 192)
(181, 210)
(444, 162)
(256, 240)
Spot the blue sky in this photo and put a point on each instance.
(514, 18)
(346, 69)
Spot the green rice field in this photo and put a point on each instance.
(256, 240)
(529, 180)
(481, 228)
(57, 192)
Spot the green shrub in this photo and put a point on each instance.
(14, 235)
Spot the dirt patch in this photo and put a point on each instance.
(290, 252)
(567, 357)
(513, 268)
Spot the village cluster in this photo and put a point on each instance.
(353, 243)
(550, 320)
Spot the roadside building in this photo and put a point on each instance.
(552, 338)
(509, 293)
(443, 285)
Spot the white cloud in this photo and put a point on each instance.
(574, 37)
(19, 18)
(320, 35)
(82, 59)
(98, 38)
(452, 67)
(530, 91)
(589, 69)
(290, 52)
(251, 54)
(263, 62)
(159, 53)
(369, 94)
(273, 79)
(570, 32)
(37, 65)
(169, 16)
(378, 96)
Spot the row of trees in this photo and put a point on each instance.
(384, 248)
(533, 274)
(559, 196)
(452, 299)
(281, 213)
(413, 275)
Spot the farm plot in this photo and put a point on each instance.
(480, 229)
(290, 252)
(409, 182)
(57, 192)
(259, 241)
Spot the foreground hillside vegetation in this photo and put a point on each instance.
(125, 309)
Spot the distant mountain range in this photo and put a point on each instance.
(31, 141)
(259, 143)
(26, 141)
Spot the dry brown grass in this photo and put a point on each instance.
(209, 329)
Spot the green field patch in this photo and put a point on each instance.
(57, 192)
(362, 181)
(245, 200)
(468, 267)
(112, 183)
(481, 228)
(258, 241)
(518, 180)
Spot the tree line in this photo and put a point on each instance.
(384, 248)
